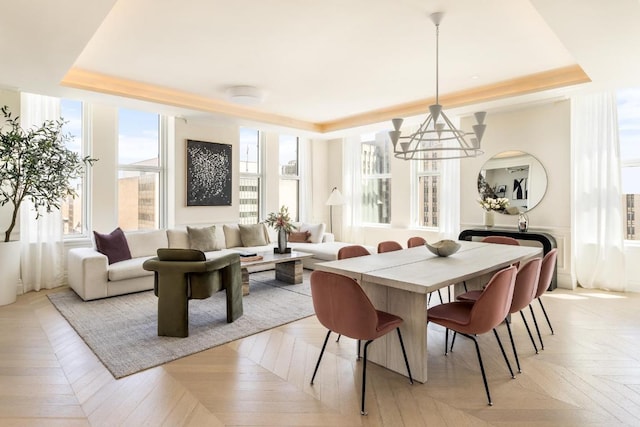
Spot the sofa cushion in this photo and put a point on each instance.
(203, 239)
(299, 236)
(178, 239)
(128, 269)
(316, 231)
(114, 245)
(252, 234)
(145, 243)
(232, 235)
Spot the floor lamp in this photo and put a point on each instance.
(335, 199)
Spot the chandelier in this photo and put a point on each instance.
(437, 137)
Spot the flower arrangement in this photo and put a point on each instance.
(280, 220)
(494, 204)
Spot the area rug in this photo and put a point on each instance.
(122, 331)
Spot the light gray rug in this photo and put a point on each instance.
(122, 331)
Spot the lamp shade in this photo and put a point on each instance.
(335, 198)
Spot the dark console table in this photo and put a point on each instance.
(546, 240)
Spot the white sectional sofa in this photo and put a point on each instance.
(91, 276)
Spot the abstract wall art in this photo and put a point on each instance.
(209, 170)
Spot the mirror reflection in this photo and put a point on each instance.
(515, 175)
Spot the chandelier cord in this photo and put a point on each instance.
(437, 62)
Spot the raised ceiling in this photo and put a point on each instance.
(324, 65)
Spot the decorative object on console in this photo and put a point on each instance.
(281, 222)
(491, 205)
(443, 248)
(335, 199)
(209, 170)
(523, 222)
(437, 138)
(487, 219)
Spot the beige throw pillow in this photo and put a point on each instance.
(252, 234)
(316, 232)
(232, 235)
(203, 239)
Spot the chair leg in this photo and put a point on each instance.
(464, 283)
(484, 376)
(504, 354)
(320, 357)
(545, 315)
(535, 347)
(446, 341)
(364, 376)
(535, 322)
(513, 345)
(440, 296)
(338, 339)
(404, 353)
(453, 340)
(359, 351)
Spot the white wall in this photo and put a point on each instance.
(544, 132)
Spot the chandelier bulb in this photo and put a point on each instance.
(480, 116)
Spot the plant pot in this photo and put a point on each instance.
(488, 219)
(10, 267)
(282, 241)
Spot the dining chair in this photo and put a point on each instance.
(352, 251)
(546, 275)
(469, 319)
(524, 292)
(415, 241)
(341, 306)
(419, 241)
(389, 246)
(501, 240)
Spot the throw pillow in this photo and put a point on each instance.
(316, 231)
(113, 245)
(252, 234)
(299, 236)
(232, 235)
(203, 239)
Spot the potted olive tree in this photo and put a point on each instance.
(35, 164)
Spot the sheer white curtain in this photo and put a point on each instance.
(42, 246)
(450, 199)
(597, 235)
(352, 191)
(306, 180)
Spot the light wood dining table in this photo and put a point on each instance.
(399, 282)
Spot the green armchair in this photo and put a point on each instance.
(184, 274)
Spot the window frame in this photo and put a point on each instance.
(372, 139)
(259, 175)
(417, 211)
(292, 177)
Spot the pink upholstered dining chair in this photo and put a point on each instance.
(342, 307)
(352, 251)
(415, 241)
(470, 319)
(389, 246)
(523, 294)
(546, 274)
(501, 240)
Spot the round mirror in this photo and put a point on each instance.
(516, 176)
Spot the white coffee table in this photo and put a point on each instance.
(288, 267)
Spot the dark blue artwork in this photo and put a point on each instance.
(208, 174)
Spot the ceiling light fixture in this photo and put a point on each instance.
(437, 137)
(245, 95)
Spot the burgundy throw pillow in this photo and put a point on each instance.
(299, 236)
(113, 245)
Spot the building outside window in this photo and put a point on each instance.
(427, 192)
(139, 170)
(289, 175)
(376, 179)
(629, 134)
(250, 176)
(75, 210)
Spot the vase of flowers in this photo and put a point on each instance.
(281, 222)
(491, 205)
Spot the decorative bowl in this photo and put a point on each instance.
(443, 247)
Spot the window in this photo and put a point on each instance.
(250, 176)
(289, 175)
(629, 133)
(139, 170)
(376, 179)
(74, 210)
(427, 192)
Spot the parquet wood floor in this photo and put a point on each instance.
(588, 374)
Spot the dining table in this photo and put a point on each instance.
(399, 282)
